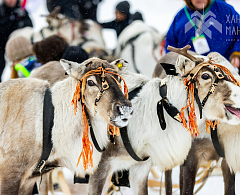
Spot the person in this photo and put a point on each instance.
(54, 48)
(12, 17)
(215, 27)
(19, 52)
(77, 9)
(122, 20)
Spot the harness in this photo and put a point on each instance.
(41, 32)
(189, 81)
(48, 118)
(131, 43)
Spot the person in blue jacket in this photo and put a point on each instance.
(207, 26)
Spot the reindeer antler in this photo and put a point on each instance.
(183, 51)
(53, 13)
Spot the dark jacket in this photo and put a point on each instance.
(10, 20)
(77, 9)
(117, 26)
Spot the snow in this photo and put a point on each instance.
(156, 13)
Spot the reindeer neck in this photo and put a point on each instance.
(70, 126)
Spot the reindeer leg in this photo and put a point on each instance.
(99, 178)
(168, 182)
(181, 179)
(190, 168)
(139, 177)
(10, 182)
(229, 179)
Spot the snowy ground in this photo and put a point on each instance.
(159, 14)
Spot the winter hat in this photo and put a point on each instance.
(123, 7)
(18, 48)
(75, 54)
(50, 49)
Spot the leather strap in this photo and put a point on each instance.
(170, 109)
(48, 117)
(93, 135)
(128, 146)
(170, 69)
(216, 142)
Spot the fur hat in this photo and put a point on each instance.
(123, 7)
(191, 6)
(50, 49)
(75, 54)
(18, 48)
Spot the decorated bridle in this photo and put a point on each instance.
(87, 147)
(189, 82)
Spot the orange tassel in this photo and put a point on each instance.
(87, 147)
(76, 97)
(113, 130)
(210, 124)
(193, 128)
(228, 73)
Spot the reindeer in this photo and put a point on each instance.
(21, 119)
(139, 44)
(51, 71)
(202, 149)
(170, 147)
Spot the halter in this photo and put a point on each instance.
(87, 149)
(189, 82)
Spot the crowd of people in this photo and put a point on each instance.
(203, 34)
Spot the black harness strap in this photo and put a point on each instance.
(48, 116)
(170, 109)
(31, 39)
(123, 131)
(198, 101)
(128, 146)
(130, 42)
(170, 69)
(41, 32)
(93, 135)
(216, 143)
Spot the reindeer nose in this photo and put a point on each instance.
(124, 110)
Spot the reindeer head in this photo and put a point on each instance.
(100, 90)
(218, 90)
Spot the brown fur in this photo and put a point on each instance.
(50, 49)
(51, 71)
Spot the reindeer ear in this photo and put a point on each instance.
(73, 69)
(184, 65)
(120, 65)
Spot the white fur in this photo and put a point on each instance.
(144, 58)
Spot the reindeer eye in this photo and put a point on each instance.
(206, 76)
(91, 83)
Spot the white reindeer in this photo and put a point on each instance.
(21, 119)
(170, 147)
(202, 149)
(139, 44)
